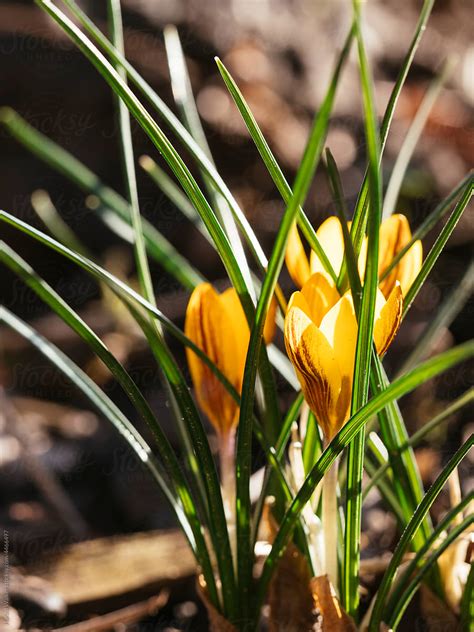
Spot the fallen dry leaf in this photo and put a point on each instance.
(334, 618)
(217, 623)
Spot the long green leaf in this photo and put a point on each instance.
(184, 99)
(144, 276)
(436, 214)
(63, 162)
(406, 481)
(360, 388)
(412, 527)
(444, 316)
(106, 407)
(172, 465)
(415, 582)
(411, 140)
(419, 559)
(360, 211)
(270, 161)
(397, 389)
(438, 246)
(177, 127)
(202, 452)
(163, 145)
(464, 400)
(244, 433)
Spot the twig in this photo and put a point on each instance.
(127, 615)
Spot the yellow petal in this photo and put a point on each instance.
(315, 364)
(340, 328)
(208, 326)
(395, 233)
(321, 294)
(332, 242)
(270, 322)
(295, 257)
(388, 315)
(409, 266)
(234, 361)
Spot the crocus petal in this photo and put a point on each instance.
(409, 266)
(295, 258)
(269, 328)
(316, 367)
(234, 362)
(388, 315)
(395, 234)
(209, 327)
(340, 328)
(321, 294)
(332, 241)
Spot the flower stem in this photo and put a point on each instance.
(329, 521)
(227, 470)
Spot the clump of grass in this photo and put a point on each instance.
(337, 328)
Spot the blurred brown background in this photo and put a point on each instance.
(281, 54)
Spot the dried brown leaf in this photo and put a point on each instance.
(217, 623)
(334, 618)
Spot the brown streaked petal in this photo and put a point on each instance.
(388, 315)
(295, 258)
(317, 369)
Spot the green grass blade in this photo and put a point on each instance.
(413, 585)
(244, 433)
(437, 247)
(174, 194)
(172, 465)
(419, 559)
(184, 99)
(179, 130)
(443, 318)
(158, 346)
(202, 453)
(106, 407)
(414, 524)
(360, 389)
(126, 147)
(182, 174)
(270, 161)
(360, 211)
(123, 291)
(43, 207)
(411, 139)
(342, 213)
(464, 400)
(397, 389)
(118, 217)
(163, 145)
(406, 481)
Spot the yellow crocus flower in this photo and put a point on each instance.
(216, 323)
(320, 339)
(395, 233)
